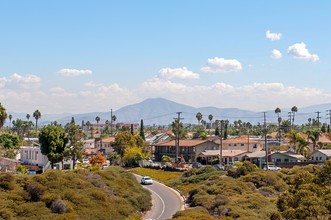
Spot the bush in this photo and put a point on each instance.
(58, 206)
(6, 181)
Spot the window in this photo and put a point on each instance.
(320, 158)
(279, 160)
(235, 145)
(285, 160)
(254, 146)
(242, 144)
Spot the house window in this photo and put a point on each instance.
(235, 145)
(242, 144)
(316, 158)
(279, 160)
(320, 158)
(254, 146)
(285, 160)
(312, 157)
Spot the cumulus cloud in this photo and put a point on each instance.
(93, 84)
(215, 65)
(273, 36)
(300, 51)
(276, 54)
(28, 81)
(73, 72)
(177, 73)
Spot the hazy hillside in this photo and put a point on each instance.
(161, 111)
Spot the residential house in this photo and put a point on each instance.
(104, 145)
(257, 157)
(321, 155)
(286, 157)
(32, 158)
(228, 156)
(244, 143)
(188, 149)
(8, 165)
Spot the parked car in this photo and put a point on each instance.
(146, 180)
(196, 165)
(219, 167)
(271, 167)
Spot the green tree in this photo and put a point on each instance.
(3, 116)
(182, 132)
(294, 110)
(75, 136)
(279, 119)
(142, 132)
(10, 141)
(53, 142)
(132, 155)
(313, 136)
(10, 117)
(199, 117)
(37, 116)
(123, 140)
(97, 119)
(210, 117)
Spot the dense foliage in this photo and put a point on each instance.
(109, 194)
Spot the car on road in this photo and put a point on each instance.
(271, 167)
(146, 180)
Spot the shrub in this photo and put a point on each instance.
(58, 206)
(6, 181)
(35, 190)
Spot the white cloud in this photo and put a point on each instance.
(273, 36)
(276, 54)
(74, 72)
(21, 81)
(216, 64)
(177, 73)
(93, 84)
(300, 51)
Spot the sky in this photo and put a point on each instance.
(79, 56)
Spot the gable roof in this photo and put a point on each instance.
(183, 143)
(325, 152)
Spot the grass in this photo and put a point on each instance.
(165, 177)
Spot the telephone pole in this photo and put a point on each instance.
(265, 138)
(329, 116)
(111, 122)
(318, 119)
(177, 136)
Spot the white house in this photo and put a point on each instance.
(321, 155)
(32, 157)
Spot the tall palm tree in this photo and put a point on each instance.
(28, 116)
(199, 117)
(278, 111)
(210, 117)
(97, 119)
(3, 116)
(37, 116)
(10, 117)
(294, 110)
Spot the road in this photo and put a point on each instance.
(165, 200)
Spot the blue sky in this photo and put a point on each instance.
(83, 56)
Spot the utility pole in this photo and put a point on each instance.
(177, 136)
(265, 139)
(329, 114)
(111, 122)
(221, 144)
(318, 119)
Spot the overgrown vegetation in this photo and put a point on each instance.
(112, 193)
(250, 193)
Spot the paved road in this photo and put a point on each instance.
(166, 201)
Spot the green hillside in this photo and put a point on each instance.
(108, 194)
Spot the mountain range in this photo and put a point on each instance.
(160, 111)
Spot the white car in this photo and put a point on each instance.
(271, 167)
(146, 180)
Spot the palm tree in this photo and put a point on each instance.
(27, 116)
(303, 147)
(199, 117)
(10, 118)
(294, 109)
(37, 115)
(279, 119)
(97, 119)
(210, 117)
(3, 116)
(313, 136)
(113, 119)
